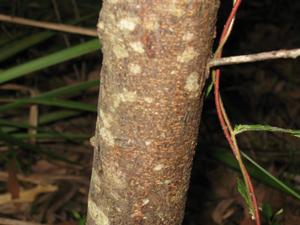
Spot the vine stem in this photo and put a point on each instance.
(223, 118)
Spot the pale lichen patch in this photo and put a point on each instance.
(167, 181)
(98, 216)
(128, 23)
(113, 1)
(174, 9)
(149, 100)
(147, 143)
(128, 96)
(188, 36)
(106, 119)
(137, 47)
(96, 180)
(120, 51)
(150, 22)
(187, 55)
(192, 85)
(116, 179)
(93, 141)
(100, 25)
(135, 68)
(158, 167)
(107, 136)
(145, 201)
(125, 96)
(192, 82)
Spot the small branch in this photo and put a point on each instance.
(7, 221)
(50, 26)
(279, 54)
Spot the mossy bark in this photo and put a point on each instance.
(151, 85)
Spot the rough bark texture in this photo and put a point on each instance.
(153, 72)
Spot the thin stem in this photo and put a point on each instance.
(223, 118)
(48, 25)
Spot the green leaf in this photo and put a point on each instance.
(63, 91)
(242, 189)
(17, 46)
(53, 135)
(70, 89)
(256, 171)
(10, 140)
(51, 102)
(62, 103)
(209, 88)
(57, 115)
(49, 60)
(267, 211)
(270, 179)
(259, 127)
(11, 126)
(20, 44)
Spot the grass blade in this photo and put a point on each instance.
(20, 44)
(9, 126)
(54, 135)
(70, 89)
(256, 171)
(57, 115)
(10, 140)
(259, 127)
(50, 102)
(63, 91)
(17, 46)
(49, 60)
(64, 104)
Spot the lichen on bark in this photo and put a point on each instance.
(153, 72)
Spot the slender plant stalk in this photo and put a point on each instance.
(224, 120)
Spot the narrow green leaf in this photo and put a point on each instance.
(57, 115)
(19, 45)
(259, 127)
(63, 91)
(70, 89)
(63, 103)
(22, 43)
(241, 187)
(53, 135)
(270, 178)
(9, 139)
(209, 88)
(10, 126)
(9, 123)
(256, 171)
(50, 102)
(267, 211)
(49, 60)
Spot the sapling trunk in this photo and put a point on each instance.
(153, 73)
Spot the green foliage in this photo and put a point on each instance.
(242, 189)
(17, 46)
(49, 60)
(256, 171)
(80, 219)
(268, 214)
(259, 127)
(11, 133)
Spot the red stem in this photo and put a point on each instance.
(221, 117)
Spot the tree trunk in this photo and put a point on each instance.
(152, 78)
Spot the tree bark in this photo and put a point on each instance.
(155, 54)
